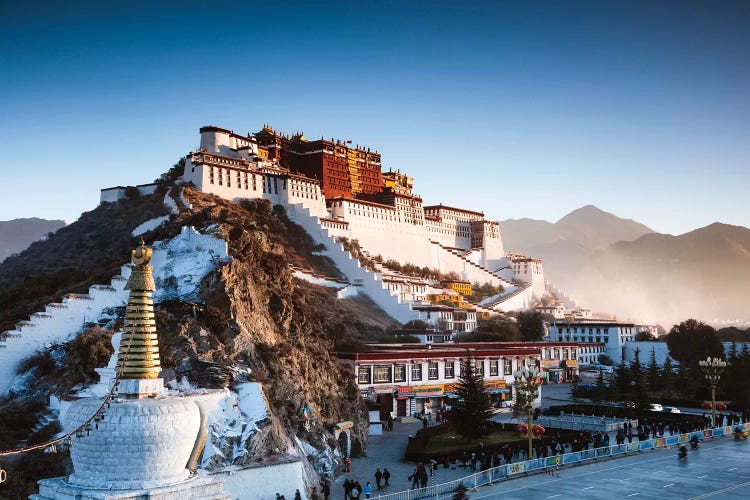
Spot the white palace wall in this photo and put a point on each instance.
(234, 182)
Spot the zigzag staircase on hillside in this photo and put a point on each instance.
(370, 283)
(491, 276)
(57, 322)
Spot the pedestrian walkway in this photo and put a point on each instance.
(387, 451)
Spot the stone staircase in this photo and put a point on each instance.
(361, 279)
(505, 301)
(57, 323)
(480, 271)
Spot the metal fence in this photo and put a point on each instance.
(503, 472)
(584, 422)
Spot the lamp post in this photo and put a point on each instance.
(527, 384)
(712, 368)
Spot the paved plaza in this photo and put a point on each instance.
(717, 470)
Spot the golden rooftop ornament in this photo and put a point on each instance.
(138, 357)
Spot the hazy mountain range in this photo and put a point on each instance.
(620, 266)
(17, 234)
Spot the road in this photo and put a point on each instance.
(717, 470)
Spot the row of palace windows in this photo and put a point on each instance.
(386, 374)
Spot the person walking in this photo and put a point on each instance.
(378, 477)
(347, 488)
(368, 490)
(386, 477)
(355, 491)
(314, 493)
(297, 495)
(326, 490)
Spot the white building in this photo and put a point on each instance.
(612, 334)
(411, 380)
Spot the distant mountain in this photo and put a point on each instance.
(587, 228)
(658, 277)
(568, 244)
(17, 234)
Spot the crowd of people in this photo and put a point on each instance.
(354, 490)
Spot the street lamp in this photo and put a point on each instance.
(712, 368)
(527, 384)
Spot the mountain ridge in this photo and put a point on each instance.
(18, 234)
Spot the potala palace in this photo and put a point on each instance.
(336, 191)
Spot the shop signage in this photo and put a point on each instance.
(495, 384)
(405, 389)
(550, 363)
(427, 390)
(571, 363)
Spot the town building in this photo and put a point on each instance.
(447, 318)
(459, 286)
(414, 381)
(612, 334)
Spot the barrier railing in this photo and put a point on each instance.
(507, 471)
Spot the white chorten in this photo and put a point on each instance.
(143, 443)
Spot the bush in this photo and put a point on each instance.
(42, 362)
(89, 350)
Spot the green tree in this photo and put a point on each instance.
(667, 376)
(531, 325)
(644, 337)
(472, 409)
(621, 380)
(692, 341)
(653, 374)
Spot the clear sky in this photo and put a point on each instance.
(520, 109)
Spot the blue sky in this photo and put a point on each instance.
(520, 109)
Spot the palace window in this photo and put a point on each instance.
(382, 374)
(416, 371)
(507, 367)
(450, 369)
(399, 373)
(363, 376)
(494, 371)
(479, 367)
(432, 370)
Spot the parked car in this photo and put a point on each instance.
(671, 409)
(655, 407)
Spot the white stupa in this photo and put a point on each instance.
(142, 443)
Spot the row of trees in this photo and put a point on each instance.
(688, 343)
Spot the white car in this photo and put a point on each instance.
(655, 407)
(671, 409)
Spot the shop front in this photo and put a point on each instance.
(404, 397)
(428, 399)
(498, 392)
(571, 368)
(554, 374)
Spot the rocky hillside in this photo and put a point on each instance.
(17, 234)
(255, 322)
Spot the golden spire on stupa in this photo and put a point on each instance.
(138, 357)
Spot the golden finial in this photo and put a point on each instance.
(141, 255)
(138, 357)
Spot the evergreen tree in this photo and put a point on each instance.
(473, 408)
(636, 368)
(621, 381)
(652, 373)
(667, 376)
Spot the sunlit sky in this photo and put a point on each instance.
(520, 109)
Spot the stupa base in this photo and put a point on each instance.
(196, 487)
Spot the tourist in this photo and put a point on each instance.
(326, 490)
(368, 490)
(355, 490)
(314, 493)
(414, 479)
(386, 477)
(347, 488)
(378, 477)
(297, 495)
(390, 422)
